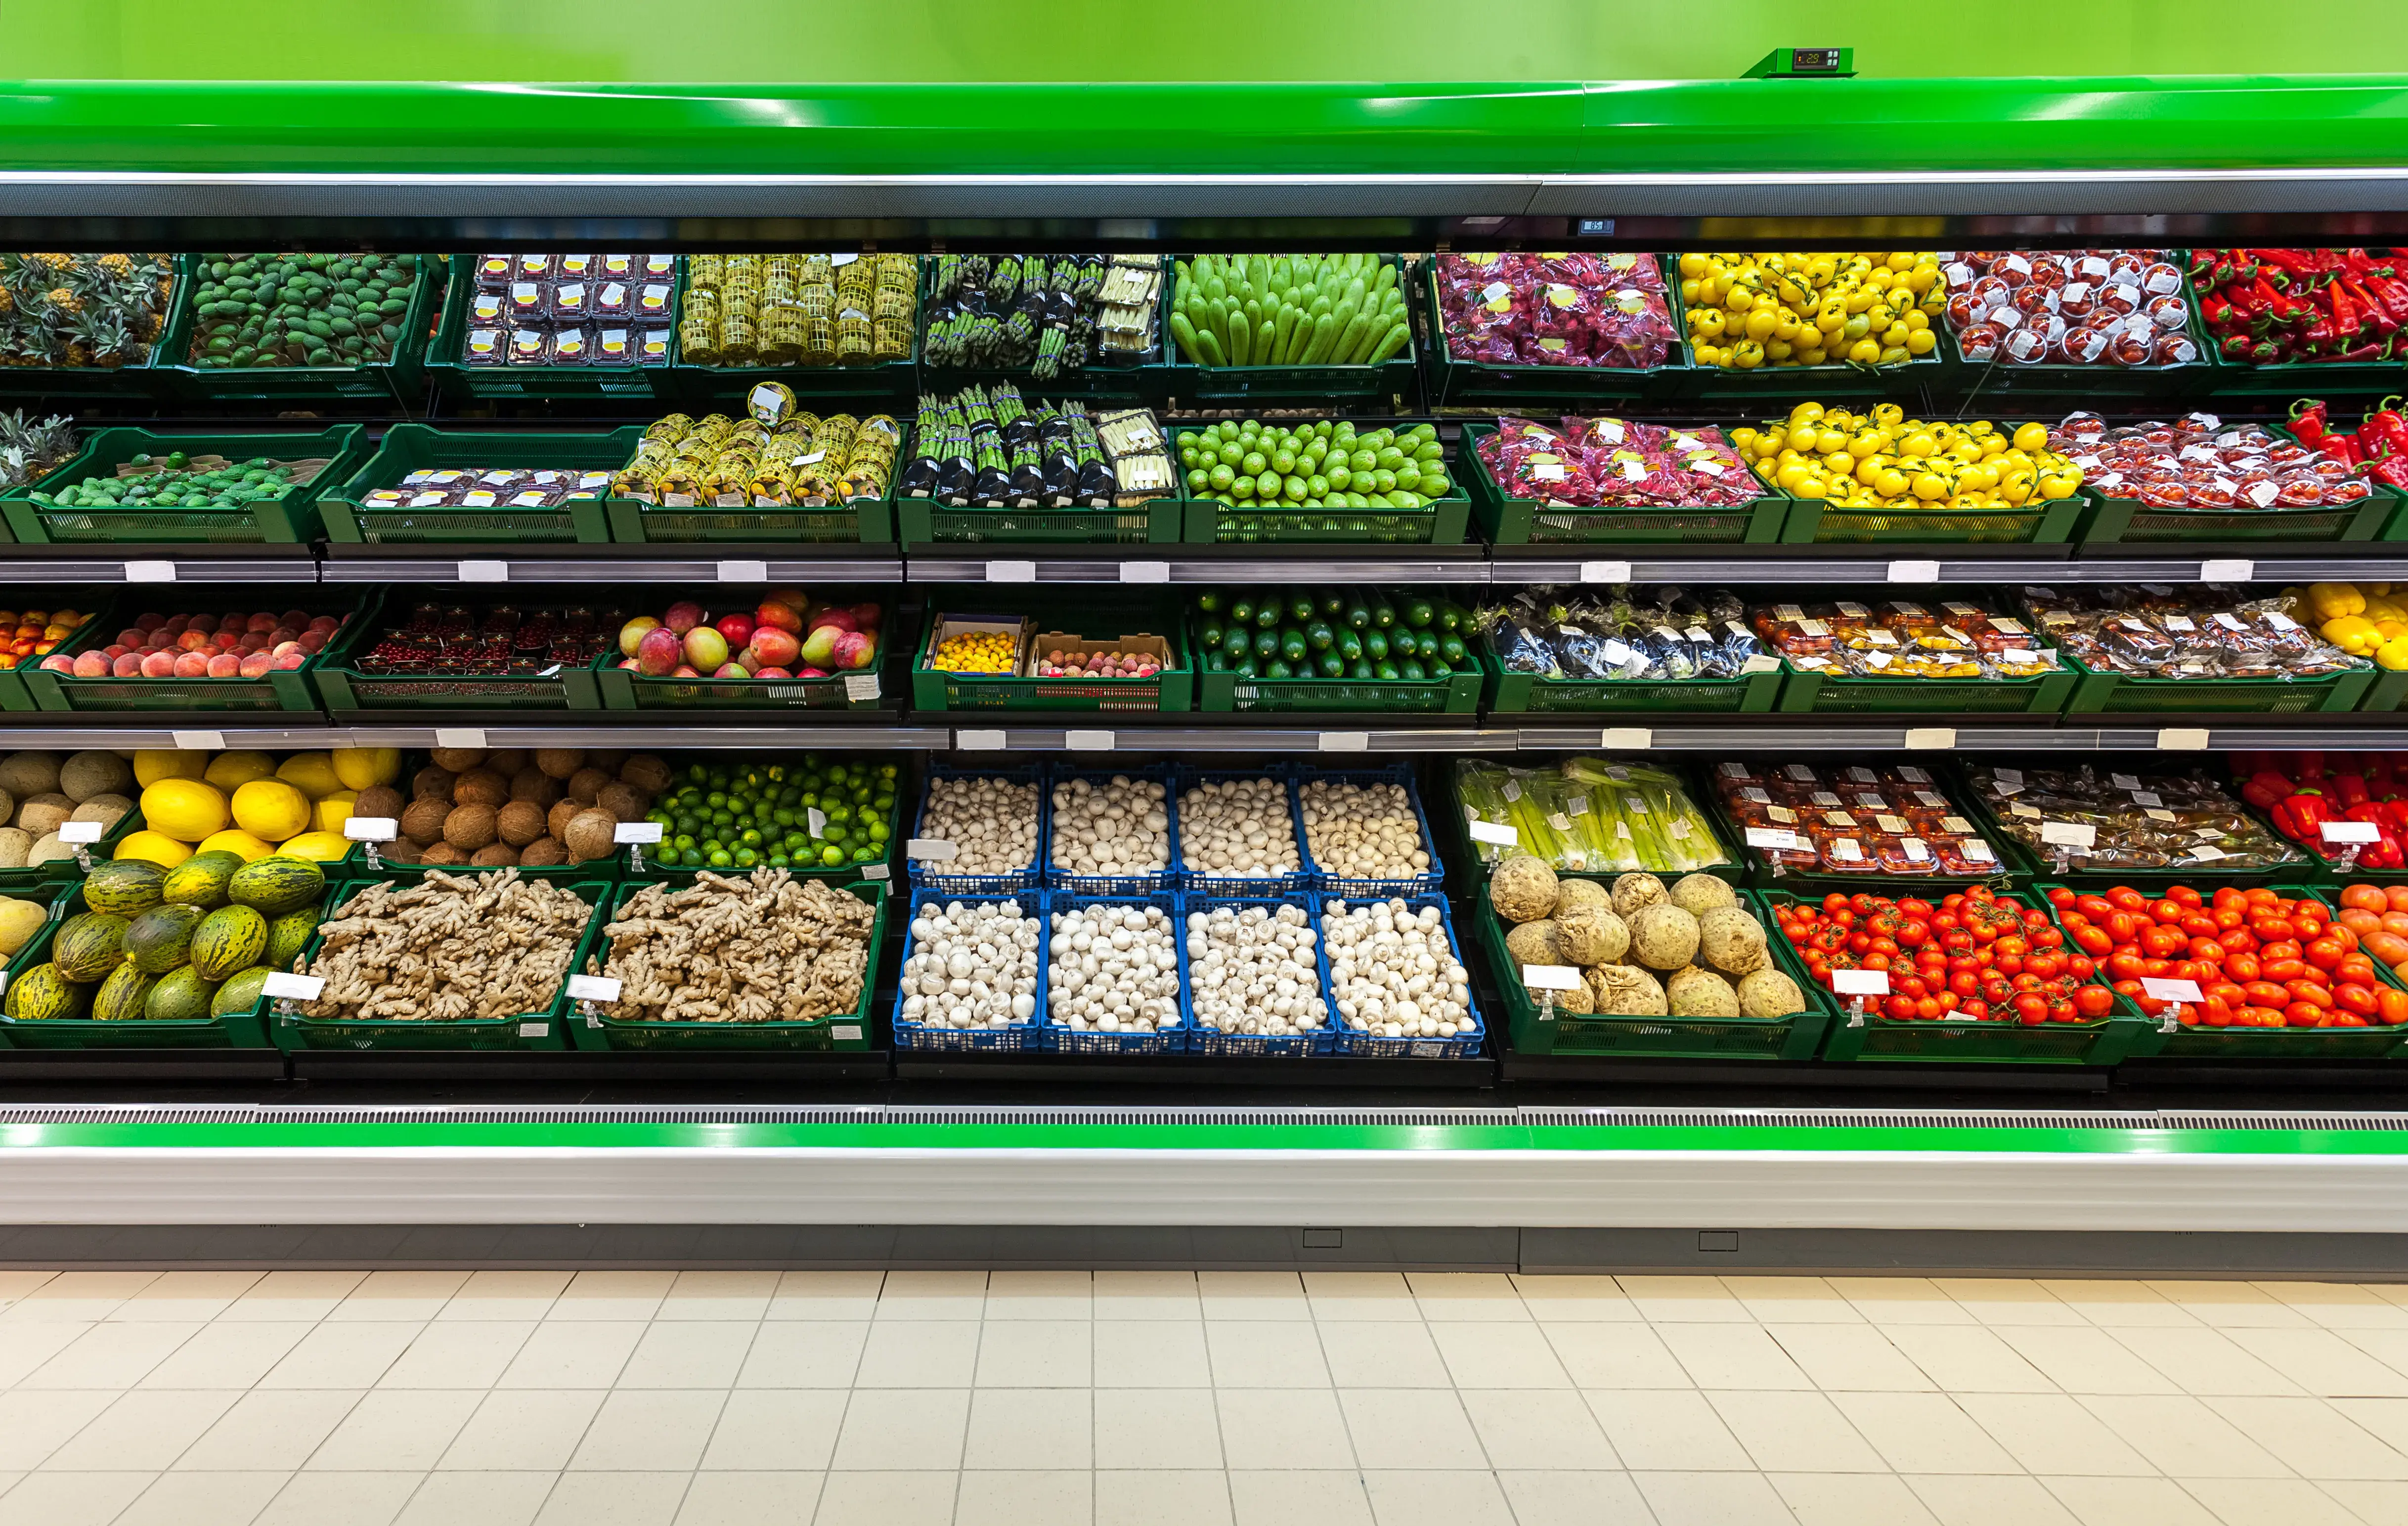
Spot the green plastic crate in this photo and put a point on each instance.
(1397, 376)
(1793, 1037)
(854, 522)
(2028, 865)
(49, 388)
(1211, 522)
(887, 866)
(287, 521)
(1507, 694)
(544, 1029)
(1173, 690)
(409, 447)
(1519, 522)
(2118, 522)
(703, 389)
(2079, 384)
(623, 689)
(1906, 383)
(590, 1028)
(1847, 694)
(1762, 872)
(98, 603)
(1457, 694)
(285, 689)
(1466, 383)
(399, 380)
(236, 1030)
(462, 382)
(2116, 694)
(1814, 523)
(925, 522)
(344, 688)
(1122, 380)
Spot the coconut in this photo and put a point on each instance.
(585, 785)
(624, 802)
(480, 786)
(1663, 936)
(1625, 990)
(42, 814)
(378, 800)
(1523, 888)
(1535, 943)
(1590, 933)
(431, 784)
(648, 773)
(543, 851)
(1632, 891)
(519, 823)
(1693, 992)
(442, 856)
(1571, 893)
(29, 773)
(506, 761)
(1768, 993)
(609, 760)
(423, 823)
(401, 851)
(494, 855)
(15, 843)
(457, 759)
(87, 774)
(556, 820)
(559, 762)
(1729, 938)
(591, 835)
(470, 828)
(535, 786)
(1697, 894)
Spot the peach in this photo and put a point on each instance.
(128, 666)
(225, 665)
(90, 665)
(131, 636)
(192, 665)
(282, 634)
(326, 622)
(149, 622)
(261, 624)
(159, 665)
(206, 624)
(58, 662)
(312, 641)
(256, 665)
(287, 661)
(193, 640)
(287, 648)
(113, 653)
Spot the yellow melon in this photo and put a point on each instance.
(153, 848)
(363, 767)
(186, 809)
(325, 847)
(328, 816)
(271, 810)
(153, 764)
(311, 773)
(230, 771)
(235, 841)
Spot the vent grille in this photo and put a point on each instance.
(1742, 1117)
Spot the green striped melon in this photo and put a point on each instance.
(240, 993)
(288, 935)
(228, 939)
(161, 938)
(42, 995)
(201, 880)
(123, 995)
(277, 884)
(181, 995)
(123, 886)
(88, 946)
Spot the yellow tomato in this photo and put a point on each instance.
(1930, 486)
(1748, 354)
(2032, 436)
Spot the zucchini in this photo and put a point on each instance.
(1350, 646)
(1292, 645)
(1359, 671)
(1375, 646)
(1419, 612)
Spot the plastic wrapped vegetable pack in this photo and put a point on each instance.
(1659, 634)
(2081, 306)
(1009, 312)
(1587, 816)
(989, 450)
(799, 459)
(1554, 310)
(1852, 820)
(2150, 630)
(1617, 463)
(2198, 462)
(2121, 820)
(1950, 639)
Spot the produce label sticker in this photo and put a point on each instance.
(2207, 855)
(817, 820)
(1145, 572)
(934, 850)
(1860, 982)
(835, 260)
(1489, 832)
(1013, 571)
(1761, 663)
(1605, 572)
(535, 1030)
(2158, 814)
(1089, 741)
(299, 987)
(484, 572)
(742, 571)
(149, 571)
(198, 742)
(2148, 799)
(2182, 739)
(1552, 977)
(460, 736)
(1771, 837)
(2172, 990)
(79, 831)
(1345, 741)
(2069, 834)
(873, 871)
(2334, 832)
(979, 742)
(861, 685)
(637, 831)
(592, 988)
(2125, 781)
(1975, 849)
(371, 829)
(1614, 652)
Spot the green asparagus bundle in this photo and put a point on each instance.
(1288, 309)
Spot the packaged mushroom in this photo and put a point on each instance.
(1642, 950)
(969, 965)
(975, 824)
(1364, 831)
(1111, 827)
(765, 948)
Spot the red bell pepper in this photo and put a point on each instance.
(2383, 853)
(2350, 791)
(2395, 815)
(2266, 789)
(2299, 813)
(2308, 767)
(2308, 421)
(2386, 427)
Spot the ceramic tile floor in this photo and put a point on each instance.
(923, 1398)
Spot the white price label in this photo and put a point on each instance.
(2236, 569)
(846, 1032)
(740, 572)
(535, 1030)
(2172, 990)
(1346, 741)
(1089, 741)
(2334, 832)
(2069, 834)
(465, 736)
(198, 742)
(2125, 781)
(2182, 739)
(1489, 832)
(2206, 855)
(79, 831)
(1914, 571)
(1771, 837)
(299, 987)
(1930, 739)
(484, 572)
(1145, 572)
(1860, 982)
(1552, 977)
(861, 685)
(1627, 738)
(979, 742)
(1761, 662)
(149, 571)
(1011, 571)
(592, 988)
(873, 871)
(932, 850)
(371, 829)
(815, 821)
(842, 259)
(637, 831)
(1605, 571)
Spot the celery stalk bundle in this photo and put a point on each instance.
(1590, 816)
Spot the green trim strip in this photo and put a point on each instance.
(1511, 1138)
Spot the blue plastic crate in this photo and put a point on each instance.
(1119, 886)
(924, 873)
(1295, 883)
(1020, 1037)
(1461, 1047)
(1429, 883)
(1212, 1041)
(1068, 1040)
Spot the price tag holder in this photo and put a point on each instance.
(2333, 832)
(1489, 832)
(1772, 837)
(1627, 738)
(592, 988)
(858, 686)
(1089, 741)
(1605, 572)
(464, 736)
(2171, 990)
(846, 1032)
(1930, 739)
(79, 831)
(1552, 977)
(1145, 572)
(535, 1030)
(931, 850)
(979, 742)
(2069, 834)
(149, 571)
(1346, 741)
(874, 871)
(637, 831)
(297, 987)
(1860, 982)
(742, 571)
(371, 829)
(1011, 571)
(198, 742)
(1761, 662)
(2182, 739)
(484, 572)
(2234, 570)
(1914, 571)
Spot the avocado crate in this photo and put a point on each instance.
(1440, 521)
(931, 521)
(1427, 882)
(280, 689)
(411, 447)
(591, 1029)
(1020, 1037)
(2030, 865)
(1514, 694)
(929, 873)
(1454, 382)
(232, 1030)
(1169, 690)
(543, 1029)
(1766, 873)
(2166, 1037)
(1162, 882)
(1396, 377)
(1813, 522)
(2095, 693)
(1524, 522)
(1173, 1039)
(2120, 522)
(855, 692)
(399, 379)
(462, 381)
(1459, 1045)
(346, 688)
(1535, 1029)
(1196, 882)
(94, 604)
(1204, 1039)
(1871, 1035)
(290, 520)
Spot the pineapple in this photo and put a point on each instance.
(29, 451)
(119, 266)
(82, 309)
(64, 300)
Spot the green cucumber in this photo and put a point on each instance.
(1324, 333)
(1388, 348)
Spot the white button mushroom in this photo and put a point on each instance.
(1115, 826)
(991, 822)
(972, 965)
(1253, 973)
(1238, 829)
(1394, 974)
(1363, 831)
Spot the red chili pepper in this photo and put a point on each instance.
(2344, 317)
(2369, 308)
(2392, 293)
(2358, 263)
(2297, 265)
(2365, 354)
